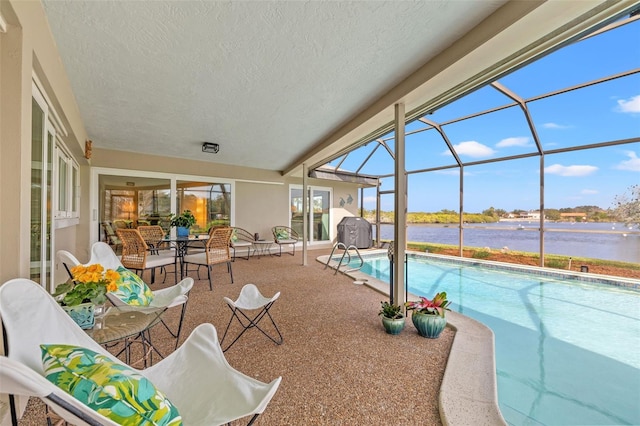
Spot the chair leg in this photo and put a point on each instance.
(209, 275)
(250, 323)
(230, 271)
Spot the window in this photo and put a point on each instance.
(67, 184)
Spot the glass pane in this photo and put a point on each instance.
(296, 210)
(62, 184)
(37, 133)
(210, 203)
(74, 189)
(321, 224)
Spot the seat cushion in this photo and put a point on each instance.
(110, 388)
(131, 289)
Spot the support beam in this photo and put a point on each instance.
(400, 222)
(305, 214)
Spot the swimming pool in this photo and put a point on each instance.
(567, 351)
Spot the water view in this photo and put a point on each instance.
(609, 241)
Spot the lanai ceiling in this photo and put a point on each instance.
(275, 82)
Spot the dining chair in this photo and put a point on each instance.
(44, 348)
(153, 235)
(110, 236)
(136, 256)
(217, 251)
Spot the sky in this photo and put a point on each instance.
(598, 113)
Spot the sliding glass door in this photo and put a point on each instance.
(319, 218)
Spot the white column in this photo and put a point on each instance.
(305, 215)
(400, 222)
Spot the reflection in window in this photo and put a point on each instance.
(210, 203)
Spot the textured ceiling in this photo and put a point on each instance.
(267, 80)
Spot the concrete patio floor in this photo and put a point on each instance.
(338, 366)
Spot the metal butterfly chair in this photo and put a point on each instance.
(251, 300)
(196, 378)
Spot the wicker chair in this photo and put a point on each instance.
(136, 256)
(283, 235)
(217, 251)
(153, 235)
(241, 238)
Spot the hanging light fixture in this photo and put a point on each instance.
(210, 147)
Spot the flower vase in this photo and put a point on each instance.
(82, 314)
(428, 325)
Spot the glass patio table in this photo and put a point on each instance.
(127, 324)
(182, 244)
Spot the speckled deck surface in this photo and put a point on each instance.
(338, 366)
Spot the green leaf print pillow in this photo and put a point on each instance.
(131, 289)
(113, 390)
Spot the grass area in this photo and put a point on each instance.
(528, 258)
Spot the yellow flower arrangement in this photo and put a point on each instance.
(90, 284)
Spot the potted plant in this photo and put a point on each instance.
(88, 288)
(183, 222)
(428, 314)
(393, 319)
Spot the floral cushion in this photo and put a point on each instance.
(282, 234)
(234, 237)
(131, 289)
(113, 390)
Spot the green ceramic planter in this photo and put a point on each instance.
(393, 326)
(428, 325)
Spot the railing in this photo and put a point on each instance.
(347, 253)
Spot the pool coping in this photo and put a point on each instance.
(468, 393)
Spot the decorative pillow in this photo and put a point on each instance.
(281, 234)
(234, 237)
(131, 289)
(113, 390)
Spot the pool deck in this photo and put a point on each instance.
(468, 394)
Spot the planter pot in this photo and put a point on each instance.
(393, 326)
(182, 231)
(82, 314)
(428, 325)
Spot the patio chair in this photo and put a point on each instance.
(241, 238)
(136, 256)
(153, 235)
(250, 299)
(176, 295)
(196, 379)
(110, 236)
(217, 251)
(283, 235)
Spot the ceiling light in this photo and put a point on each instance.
(210, 147)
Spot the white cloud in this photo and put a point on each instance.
(632, 164)
(589, 192)
(631, 105)
(577, 170)
(554, 126)
(472, 149)
(516, 141)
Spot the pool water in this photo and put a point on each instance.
(567, 352)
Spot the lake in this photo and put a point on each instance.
(610, 241)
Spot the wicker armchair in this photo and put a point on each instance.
(217, 251)
(153, 235)
(136, 256)
(283, 235)
(241, 238)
